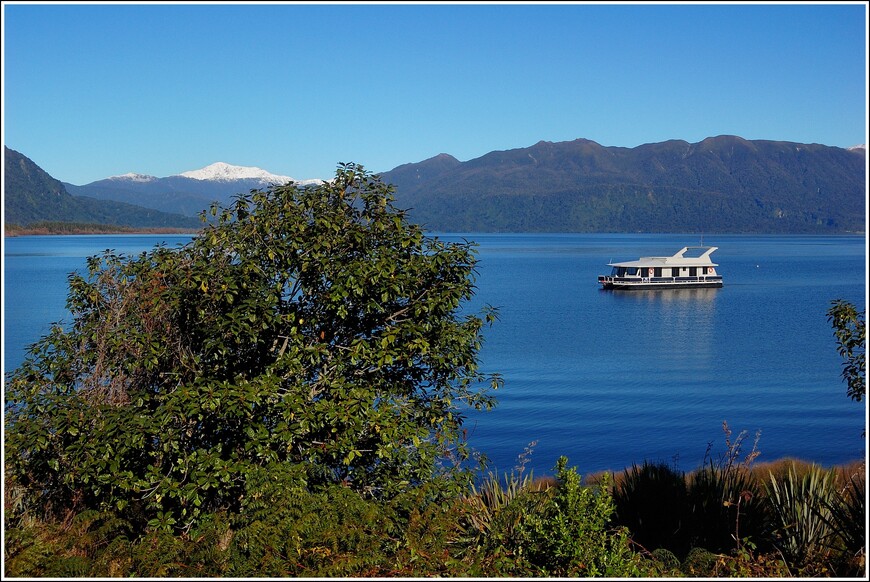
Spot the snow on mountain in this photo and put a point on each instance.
(858, 147)
(222, 172)
(133, 177)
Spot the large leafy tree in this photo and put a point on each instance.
(309, 335)
(848, 324)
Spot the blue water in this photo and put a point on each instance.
(607, 378)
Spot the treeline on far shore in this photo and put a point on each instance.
(58, 227)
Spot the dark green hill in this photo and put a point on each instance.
(722, 184)
(31, 195)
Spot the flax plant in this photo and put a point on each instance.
(651, 502)
(801, 514)
(725, 499)
(490, 504)
(847, 522)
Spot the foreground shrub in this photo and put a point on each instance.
(665, 563)
(571, 533)
(726, 502)
(727, 507)
(651, 501)
(742, 563)
(493, 532)
(496, 507)
(847, 520)
(534, 529)
(309, 329)
(334, 532)
(801, 510)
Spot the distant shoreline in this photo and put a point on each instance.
(60, 229)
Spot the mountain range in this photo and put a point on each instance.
(721, 184)
(31, 195)
(188, 193)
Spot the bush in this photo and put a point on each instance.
(651, 501)
(726, 507)
(850, 331)
(666, 563)
(726, 501)
(335, 532)
(801, 511)
(310, 331)
(700, 563)
(571, 534)
(848, 519)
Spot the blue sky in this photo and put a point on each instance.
(91, 91)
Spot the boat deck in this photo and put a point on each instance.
(608, 282)
(678, 271)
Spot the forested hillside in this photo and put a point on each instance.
(722, 184)
(31, 195)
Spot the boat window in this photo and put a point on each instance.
(693, 271)
(657, 272)
(632, 271)
(675, 272)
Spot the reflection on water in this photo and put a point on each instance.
(676, 326)
(664, 295)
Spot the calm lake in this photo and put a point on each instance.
(607, 378)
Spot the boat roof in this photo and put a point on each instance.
(696, 258)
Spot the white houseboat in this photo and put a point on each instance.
(691, 267)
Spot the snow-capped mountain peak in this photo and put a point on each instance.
(133, 177)
(223, 172)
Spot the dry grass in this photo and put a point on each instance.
(759, 471)
(780, 468)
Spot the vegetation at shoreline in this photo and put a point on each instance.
(65, 228)
(284, 396)
(787, 519)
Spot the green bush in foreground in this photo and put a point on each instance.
(310, 335)
(572, 534)
(337, 532)
(542, 529)
(511, 525)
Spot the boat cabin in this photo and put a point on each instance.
(690, 267)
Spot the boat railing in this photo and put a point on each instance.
(648, 280)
